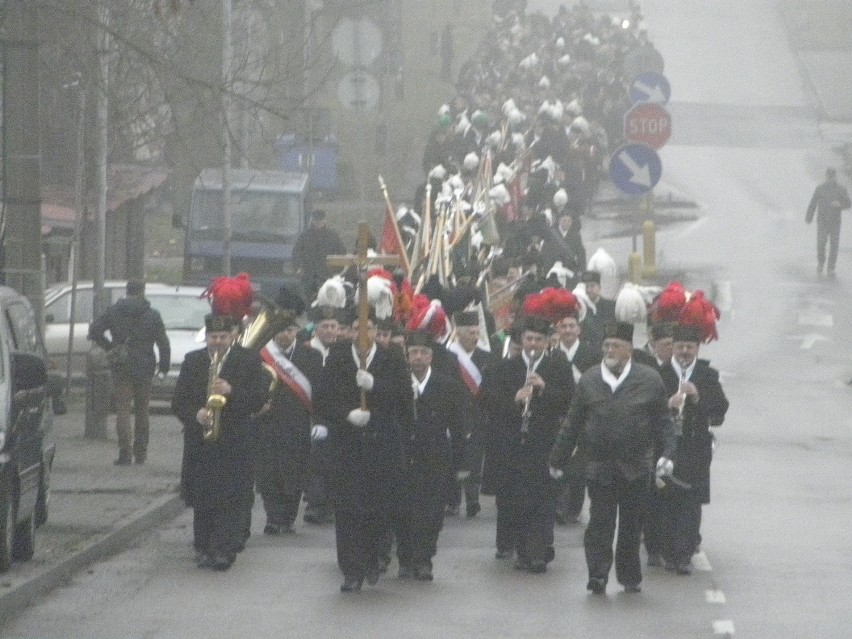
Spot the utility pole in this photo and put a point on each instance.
(227, 56)
(102, 39)
(20, 215)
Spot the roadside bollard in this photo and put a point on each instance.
(649, 249)
(634, 268)
(98, 394)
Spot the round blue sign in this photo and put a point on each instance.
(635, 169)
(650, 87)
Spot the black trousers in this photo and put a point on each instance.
(317, 493)
(281, 508)
(654, 522)
(622, 500)
(526, 513)
(219, 530)
(828, 234)
(682, 517)
(361, 538)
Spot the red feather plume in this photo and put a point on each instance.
(230, 295)
(701, 312)
(552, 304)
(668, 305)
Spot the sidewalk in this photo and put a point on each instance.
(95, 508)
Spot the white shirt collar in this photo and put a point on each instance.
(572, 351)
(317, 344)
(369, 359)
(527, 360)
(420, 387)
(684, 375)
(612, 381)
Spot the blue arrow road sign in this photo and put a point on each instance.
(650, 87)
(635, 169)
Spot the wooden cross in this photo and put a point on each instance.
(363, 262)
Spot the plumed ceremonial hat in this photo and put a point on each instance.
(466, 318)
(551, 305)
(661, 330)
(231, 296)
(619, 330)
(290, 300)
(687, 333)
(427, 315)
(220, 323)
(590, 276)
(420, 338)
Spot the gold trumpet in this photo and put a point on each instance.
(215, 401)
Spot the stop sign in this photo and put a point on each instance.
(648, 123)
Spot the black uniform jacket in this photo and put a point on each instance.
(695, 444)
(436, 444)
(618, 430)
(367, 463)
(219, 472)
(509, 453)
(283, 433)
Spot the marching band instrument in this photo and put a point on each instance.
(215, 401)
(525, 416)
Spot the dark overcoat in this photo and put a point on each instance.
(695, 444)
(511, 455)
(283, 433)
(219, 473)
(367, 463)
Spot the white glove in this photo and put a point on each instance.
(665, 467)
(318, 432)
(462, 475)
(364, 379)
(556, 473)
(358, 417)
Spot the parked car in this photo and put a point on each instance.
(27, 446)
(181, 308)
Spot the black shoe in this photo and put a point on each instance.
(203, 560)
(630, 588)
(472, 510)
(405, 572)
(537, 567)
(683, 569)
(596, 586)
(351, 585)
(59, 406)
(423, 572)
(273, 529)
(123, 461)
(452, 511)
(140, 459)
(504, 554)
(222, 563)
(655, 560)
(372, 576)
(521, 564)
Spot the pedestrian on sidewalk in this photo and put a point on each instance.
(828, 200)
(134, 329)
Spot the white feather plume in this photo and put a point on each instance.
(630, 305)
(380, 295)
(602, 262)
(562, 273)
(332, 293)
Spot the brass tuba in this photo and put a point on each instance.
(215, 401)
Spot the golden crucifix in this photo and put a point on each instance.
(363, 262)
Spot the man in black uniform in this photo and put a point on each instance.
(283, 428)
(599, 312)
(435, 445)
(366, 449)
(698, 401)
(525, 396)
(216, 474)
(620, 410)
(473, 362)
(313, 246)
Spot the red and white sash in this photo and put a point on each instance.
(469, 372)
(288, 373)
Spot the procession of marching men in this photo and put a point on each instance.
(469, 352)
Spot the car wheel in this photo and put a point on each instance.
(23, 546)
(7, 534)
(43, 499)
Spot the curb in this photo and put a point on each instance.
(123, 532)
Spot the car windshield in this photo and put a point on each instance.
(255, 216)
(180, 312)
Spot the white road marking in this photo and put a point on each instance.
(723, 627)
(714, 596)
(808, 340)
(815, 316)
(700, 562)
